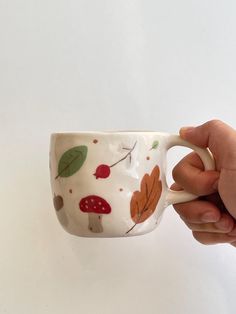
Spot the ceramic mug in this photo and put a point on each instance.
(113, 184)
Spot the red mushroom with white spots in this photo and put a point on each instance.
(95, 206)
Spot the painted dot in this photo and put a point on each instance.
(92, 200)
(86, 206)
(103, 208)
(148, 158)
(94, 207)
(95, 141)
(99, 203)
(86, 201)
(120, 189)
(70, 190)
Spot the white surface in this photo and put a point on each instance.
(77, 65)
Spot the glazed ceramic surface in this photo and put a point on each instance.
(113, 184)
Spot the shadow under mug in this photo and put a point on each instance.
(113, 184)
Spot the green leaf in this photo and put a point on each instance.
(155, 145)
(71, 161)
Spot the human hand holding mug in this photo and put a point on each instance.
(212, 217)
(113, 184)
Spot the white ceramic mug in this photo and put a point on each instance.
(113, 184)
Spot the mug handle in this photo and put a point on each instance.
(173, 197)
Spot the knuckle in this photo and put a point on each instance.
(190, 225)
(215, 123)
(176, 172)
(178, 209)
(201, 239)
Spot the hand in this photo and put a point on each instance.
(211, 217)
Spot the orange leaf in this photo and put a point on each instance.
(144, 202)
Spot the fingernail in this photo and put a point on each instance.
(209, 217)
(185, 130)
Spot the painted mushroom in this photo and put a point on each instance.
(95, 206)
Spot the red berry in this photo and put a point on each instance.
(102, 171)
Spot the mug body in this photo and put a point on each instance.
(108, 184)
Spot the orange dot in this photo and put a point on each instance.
(95, 141)
(148, 158)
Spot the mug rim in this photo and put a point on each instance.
(108, 132)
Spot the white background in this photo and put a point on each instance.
(101, 65)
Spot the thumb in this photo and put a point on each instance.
(219, 137)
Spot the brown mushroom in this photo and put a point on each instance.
(95, 206)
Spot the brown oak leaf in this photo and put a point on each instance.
(144, 202)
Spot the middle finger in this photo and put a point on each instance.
(198, 211)
(224, 225)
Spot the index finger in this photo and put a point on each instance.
(189, 173)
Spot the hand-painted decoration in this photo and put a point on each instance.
(144, 202)
(155, 145)
(96, 207)
(58, 202)
(71, 161)
(103, 171)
